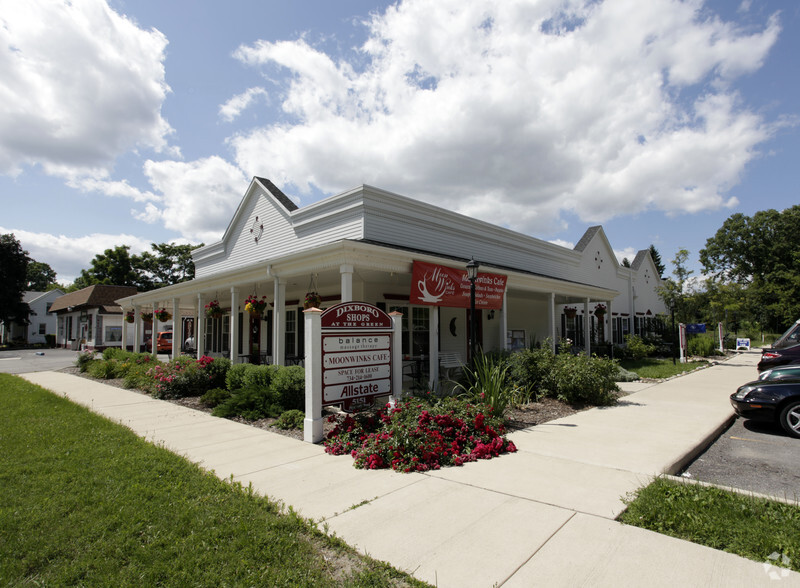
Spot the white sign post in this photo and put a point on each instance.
(682, 342)
(352, 356)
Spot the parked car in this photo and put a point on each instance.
(770, 401)
(785, 350)
(164, 342)
(782, 372)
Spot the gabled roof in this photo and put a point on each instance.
(587, 238)
(31, 296)
(639, 259)
(97, 296)
(276, 192)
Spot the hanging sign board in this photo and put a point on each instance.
(437, 285)
(356, 354)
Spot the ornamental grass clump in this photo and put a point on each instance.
(417, 436)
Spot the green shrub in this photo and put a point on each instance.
(637, 348)
(291, 419)
(528, 368)
(251, 403)
(216, 371)
(624, 375)
(234, 380)
(83, 360)
(701, 346)
(581, 379)
(214, 397)
(486, 385)
(289, 386)
(103, 369)
(259, 376)
(116, 353)
(182, 377)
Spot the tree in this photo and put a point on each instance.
(626, 262)
(761, 254)
(14, 262)
(40, 277)
(172, 265)
(660, 268)
(113, 266)
(674, 291)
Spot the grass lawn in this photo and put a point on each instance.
(86, 502)
(750, 527)
(658, 368)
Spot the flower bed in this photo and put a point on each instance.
(419, 436)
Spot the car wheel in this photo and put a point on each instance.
(790, 418)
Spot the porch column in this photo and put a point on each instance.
(124, 331)
(234, 332)
(587, 328)
(154, 332)
(503, 323)
(346, 271)
(177, 328)
(433, 346)
(551, 320)
(609, 330)
(137, 330)
(279, 323)
(199, 340)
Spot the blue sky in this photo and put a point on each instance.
(130, 122)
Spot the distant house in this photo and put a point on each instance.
(42, 321)
(91, 317)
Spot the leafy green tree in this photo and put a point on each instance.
(674, 292)
(40, 277)
(14, 262)
(760, 253)
(626, 262)
(172, 264)
(113, 266)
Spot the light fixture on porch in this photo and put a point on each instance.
(472, 274)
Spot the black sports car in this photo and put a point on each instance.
(772, 401)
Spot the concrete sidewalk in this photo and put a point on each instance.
(543, 516)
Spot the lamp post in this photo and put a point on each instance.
(472, 274)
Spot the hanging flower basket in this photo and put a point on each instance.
(570, 311)
(600, 310)
(213, 310)
(255, 306)
(130, 316)
(146, 316)
(313, 300)
(163, 315)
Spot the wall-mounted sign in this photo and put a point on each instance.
(437, 285)
(356, 354)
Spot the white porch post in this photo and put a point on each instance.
(279, 323)
(346, 270)
(551, 320)
(397, 359)
(177, 328)
(199, 341)
(503, 320)
(137, 330)
(312, 424)
(587, 328)
(124, 331)
(433, 346)
(234, 332)
(609, 330)
(153, 332)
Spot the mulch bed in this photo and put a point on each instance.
(529, 415)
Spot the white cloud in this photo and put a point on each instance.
(69, 255)
(79, 85)
(517, 111)
(234, 107)
(197, 198)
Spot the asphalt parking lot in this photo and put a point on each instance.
(753, 456)
(21, 361)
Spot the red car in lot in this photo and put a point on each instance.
(785, 350)
(164, 342)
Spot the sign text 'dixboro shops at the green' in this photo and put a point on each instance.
(356, 354)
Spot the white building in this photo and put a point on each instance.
(90, 318)
(370, 245)
(42, 321)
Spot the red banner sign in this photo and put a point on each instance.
(437, 285)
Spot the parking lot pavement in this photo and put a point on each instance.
(752, 456)
(22, 361)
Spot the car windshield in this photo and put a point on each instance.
(789, 338)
